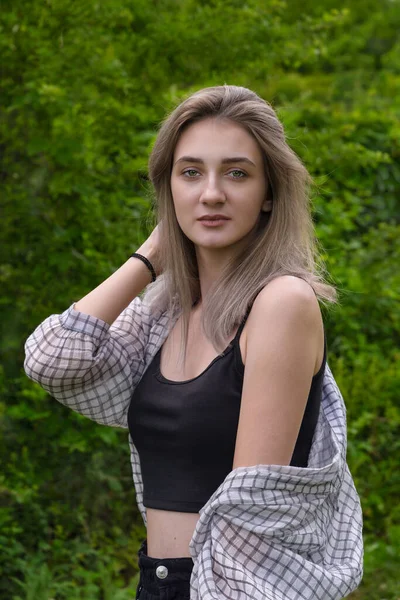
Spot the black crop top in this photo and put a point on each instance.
(185, 431)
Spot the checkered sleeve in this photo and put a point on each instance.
(88, 365)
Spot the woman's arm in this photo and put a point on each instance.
(282, 347)
(111, 297)
(91, 357)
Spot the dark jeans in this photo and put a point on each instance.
(163, 578)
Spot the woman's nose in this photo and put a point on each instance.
(213, 191)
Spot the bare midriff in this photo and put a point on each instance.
(169, 532)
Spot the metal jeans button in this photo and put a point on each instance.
(161, 572)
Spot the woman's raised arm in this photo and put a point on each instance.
(91, 356)
(109, 299)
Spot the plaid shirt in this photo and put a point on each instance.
(268, 532)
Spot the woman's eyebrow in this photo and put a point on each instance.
(229, 160)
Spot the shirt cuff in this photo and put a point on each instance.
(82, 323)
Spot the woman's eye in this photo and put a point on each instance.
(238, 174)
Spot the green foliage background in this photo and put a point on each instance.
(83, 86)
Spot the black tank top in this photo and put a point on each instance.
(185, 431)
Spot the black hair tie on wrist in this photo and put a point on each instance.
(147, 263)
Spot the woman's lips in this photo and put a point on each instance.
(213, 222)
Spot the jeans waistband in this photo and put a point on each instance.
(172, 571)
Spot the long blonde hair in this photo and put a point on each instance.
(284, 242)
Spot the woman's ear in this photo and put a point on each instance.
(267, 206)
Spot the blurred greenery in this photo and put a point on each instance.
(83, 86)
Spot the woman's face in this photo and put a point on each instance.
(218, 170)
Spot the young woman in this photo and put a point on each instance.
(219, 370)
